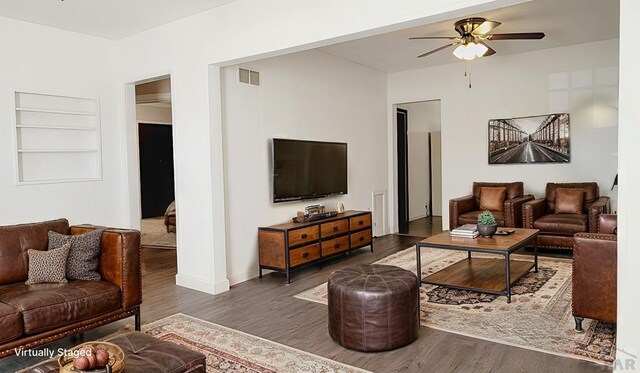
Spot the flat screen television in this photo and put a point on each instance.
(308, 169)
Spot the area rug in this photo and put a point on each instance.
(153, 234)
(538, 317)
(230, 350)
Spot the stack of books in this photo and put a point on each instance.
(465, 231)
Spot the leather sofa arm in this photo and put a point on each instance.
(513, 210)
(594, 276)
(120, 262)
(600, 206)
(531, 211)
(608, 224)
(457, 207)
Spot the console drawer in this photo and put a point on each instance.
(303, 235)
(337, 245)
(361, 238)
(334, 228)
(360, 222)
(304, 254)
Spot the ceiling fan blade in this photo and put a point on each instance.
(490, 51)
(437, 50)
(434, 37)
(516, 36)
(485, 27)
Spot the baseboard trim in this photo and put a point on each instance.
(242, 277)
(204, 286)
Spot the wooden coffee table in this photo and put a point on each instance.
(487, 275)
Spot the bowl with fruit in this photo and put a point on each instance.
(92, 357)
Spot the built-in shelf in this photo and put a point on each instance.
(51, 111)
(45, 127)
(57, 139)
(57, 150)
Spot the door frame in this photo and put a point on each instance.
(402, 165)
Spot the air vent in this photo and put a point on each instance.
(247, 76)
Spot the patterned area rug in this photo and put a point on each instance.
(538, 317)
(230, 350)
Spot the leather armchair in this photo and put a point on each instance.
(465, 210)
(594, 282)
(557, 230)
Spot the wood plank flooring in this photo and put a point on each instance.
(266, 308)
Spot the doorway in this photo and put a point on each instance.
(155, 148)
(419, 168)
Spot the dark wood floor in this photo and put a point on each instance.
(266, 308)
(425, 227)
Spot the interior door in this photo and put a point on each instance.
(156, 168)
(403, 166)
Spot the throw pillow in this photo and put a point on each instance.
(569, 200)
(48, 266)
(83, 255)
(492, 198)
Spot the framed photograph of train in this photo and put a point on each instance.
(539, 139)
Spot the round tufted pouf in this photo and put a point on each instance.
(373, 307)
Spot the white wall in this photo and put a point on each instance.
(239, 31)
(47, 60)
(423, 117)
(521, 85)
(307, 95)
(628, 338)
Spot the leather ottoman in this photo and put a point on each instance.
(373, 307)
(143, 353)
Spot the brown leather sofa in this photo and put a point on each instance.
(595, 263)
(557, 229)
(170, 217)
(33, 315)
(465, 210)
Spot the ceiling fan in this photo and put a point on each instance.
(473, 34)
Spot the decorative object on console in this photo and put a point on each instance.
(84, 251)
(48, 266)
(538, 139)
(508, 213)
(487, 224)
(314, 209)
(340, 208)
(557, 229)
(595, 266)
(291, 246)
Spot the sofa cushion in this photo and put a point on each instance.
(591, 194)
(492, 198)
(472, 218)
(569, 201)
(83, 254)
(10, 323)
(562, 224)
(48, 266)
(48, 306)
(15, 240)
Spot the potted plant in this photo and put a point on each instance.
(487, 224)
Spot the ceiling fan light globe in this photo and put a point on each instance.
(479, 49)
(460, 51)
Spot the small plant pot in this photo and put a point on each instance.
(487, 231)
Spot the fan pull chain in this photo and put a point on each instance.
(467, 74)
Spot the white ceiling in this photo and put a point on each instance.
(111, 19)
(565, 22)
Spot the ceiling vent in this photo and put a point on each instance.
(247, 76)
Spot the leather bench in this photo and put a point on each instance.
(373, 307)
(144, 353)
